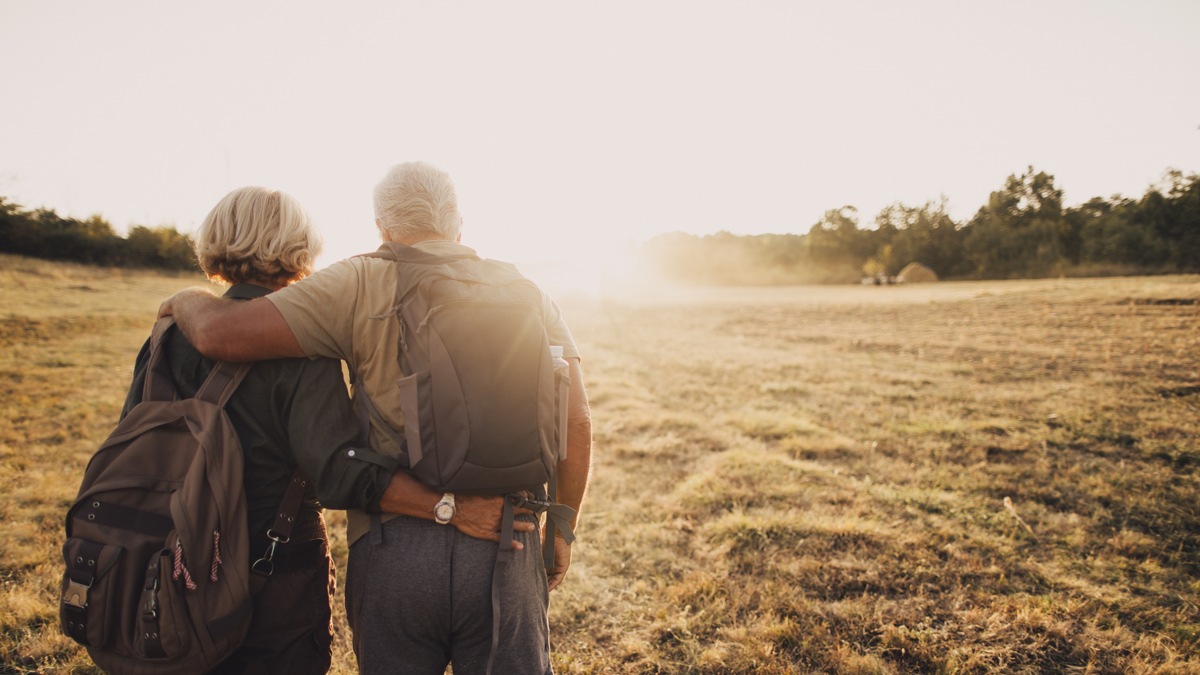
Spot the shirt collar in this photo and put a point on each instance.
(444, 247)
(246, 291)
(438, 247)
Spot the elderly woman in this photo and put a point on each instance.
(288, 413)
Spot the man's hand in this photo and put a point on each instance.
(167, 308)
(562, 560)
(481, 517)
(478, 517)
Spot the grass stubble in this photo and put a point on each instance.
(959, 478)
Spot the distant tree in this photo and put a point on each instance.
(161, 247)
(50, 235)
(1020, 232)
(1109, 234)
(43, 233)
(924, 234)
(13, 227)
(835, 238)
(1172, 211)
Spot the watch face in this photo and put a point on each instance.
(444, 512)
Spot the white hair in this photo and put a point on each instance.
(257, 235)
(417, 199)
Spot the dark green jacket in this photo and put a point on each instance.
(288, 413)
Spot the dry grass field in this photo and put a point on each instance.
(953, 478)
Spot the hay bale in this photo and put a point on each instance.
(916, 273)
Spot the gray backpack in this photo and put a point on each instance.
(480, 395)
(484, 408)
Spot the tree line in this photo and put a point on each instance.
(43, 233)
(1024, 231)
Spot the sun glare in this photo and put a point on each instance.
(601, 272)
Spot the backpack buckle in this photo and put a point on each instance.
(150, 610)
(76, 594)
(525, 501)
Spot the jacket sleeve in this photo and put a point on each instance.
(325, 437)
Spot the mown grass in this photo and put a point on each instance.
(786, 480)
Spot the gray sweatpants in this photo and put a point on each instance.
(419, 596)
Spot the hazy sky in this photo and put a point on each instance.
(584, 126)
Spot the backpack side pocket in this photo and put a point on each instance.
(163, 623)
(88, 604)
(419, 434)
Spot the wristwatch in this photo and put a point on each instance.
(443, 511)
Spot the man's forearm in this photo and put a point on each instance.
(479, 517)
(231, 330)
(408, 496)
(573, 474)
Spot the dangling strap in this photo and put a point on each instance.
(551, 523)
(364, 409)
(555, 513)
(281, 530)
(503, 557)
(560, 515)
(558, 519)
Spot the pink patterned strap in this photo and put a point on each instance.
(212, 574)
(181, 569)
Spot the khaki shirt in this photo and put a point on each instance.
(345, 311)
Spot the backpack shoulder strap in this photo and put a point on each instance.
(368, 413)
(159, 386)
(222, 382)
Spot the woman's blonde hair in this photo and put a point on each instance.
(257, 235)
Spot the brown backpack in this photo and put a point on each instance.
(158, 577)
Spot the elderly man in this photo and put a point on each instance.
(419, 595)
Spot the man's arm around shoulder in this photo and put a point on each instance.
(231, 330)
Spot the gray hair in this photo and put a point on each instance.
(417, 199)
